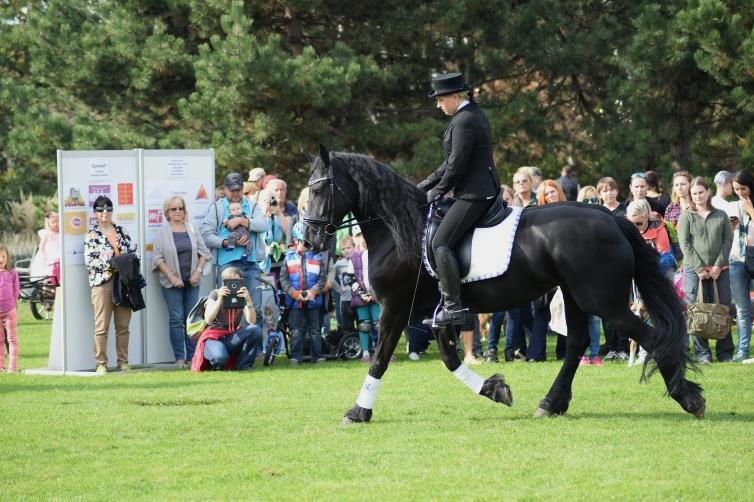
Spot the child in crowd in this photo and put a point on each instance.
(302, 276)
(236, 211)
(367, 310)
(49, 245)
(9, 292)
(342, 285)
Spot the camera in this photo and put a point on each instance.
(273, 201)
(233, 301)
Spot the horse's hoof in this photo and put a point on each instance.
(541, 412)
(699, 414)
(497, 390)
(356, 415)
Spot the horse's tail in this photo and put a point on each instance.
(664, 309)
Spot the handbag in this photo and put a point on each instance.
(707, 320)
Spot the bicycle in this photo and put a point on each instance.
(38, 291)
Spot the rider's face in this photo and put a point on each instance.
(448, 103)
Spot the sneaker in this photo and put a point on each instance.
(595, 361)
(611, 356)
(123, 367)
(471, 361)
(492, 356)
(366, 359)
(739, 358)
(705, 362)
(320, 360)
(293, 362)
(509, 355)
(584, 361)
(413, 356)
(621, 356)
(101, 369)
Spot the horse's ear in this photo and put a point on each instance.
(324, 155)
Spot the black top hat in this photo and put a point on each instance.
(233, 181)
(448, 83)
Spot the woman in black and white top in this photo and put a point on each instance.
(104, 241)
(179, 256)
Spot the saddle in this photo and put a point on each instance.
(493, 217)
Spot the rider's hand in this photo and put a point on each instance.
(434, 195)
(424, 185)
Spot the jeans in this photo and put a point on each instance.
(180, 301)
(537, 350)
(724, 347)
(246, 343)
(740, 285)
(305, 320)
(518, 319)
(250, 271)
(496, 326)
(593, 325)
(419, 335)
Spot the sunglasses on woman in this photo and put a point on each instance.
(638, 175)
(176, 209)
(103, 209)
(589, 200)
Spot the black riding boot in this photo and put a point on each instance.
(450, 287)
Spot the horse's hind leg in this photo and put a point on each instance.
(687, 393)
(493, 388)
(559, 397)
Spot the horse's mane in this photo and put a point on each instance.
(384, 193)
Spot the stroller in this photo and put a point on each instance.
(277, 331)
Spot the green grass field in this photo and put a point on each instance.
(274, 433)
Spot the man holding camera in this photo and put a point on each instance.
(228, 254)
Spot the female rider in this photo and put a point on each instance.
(469, 172)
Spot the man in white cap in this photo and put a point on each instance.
(254, 183)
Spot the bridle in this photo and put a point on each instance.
(327, 224)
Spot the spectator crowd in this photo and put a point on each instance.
(253, 234)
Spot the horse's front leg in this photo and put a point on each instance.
(493, 388)
(390, 328)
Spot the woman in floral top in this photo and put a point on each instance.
(104, 241)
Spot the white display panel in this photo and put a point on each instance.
(190, 174)
(82, 176)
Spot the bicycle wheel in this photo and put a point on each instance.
(269, 356)
(37, 310)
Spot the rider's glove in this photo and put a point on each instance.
(424, 185)
(434, 195)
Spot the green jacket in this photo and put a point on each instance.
(705, 242)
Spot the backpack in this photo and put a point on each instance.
(195, 321)
(674, 245)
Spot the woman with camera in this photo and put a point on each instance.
(179, 255)
(230, 339)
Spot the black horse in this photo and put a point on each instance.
(590, 254)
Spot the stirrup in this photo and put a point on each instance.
(456, 322)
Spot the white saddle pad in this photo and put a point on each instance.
(490, 249)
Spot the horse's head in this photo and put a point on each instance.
(327, 203)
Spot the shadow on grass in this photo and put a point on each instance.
(7, 388)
